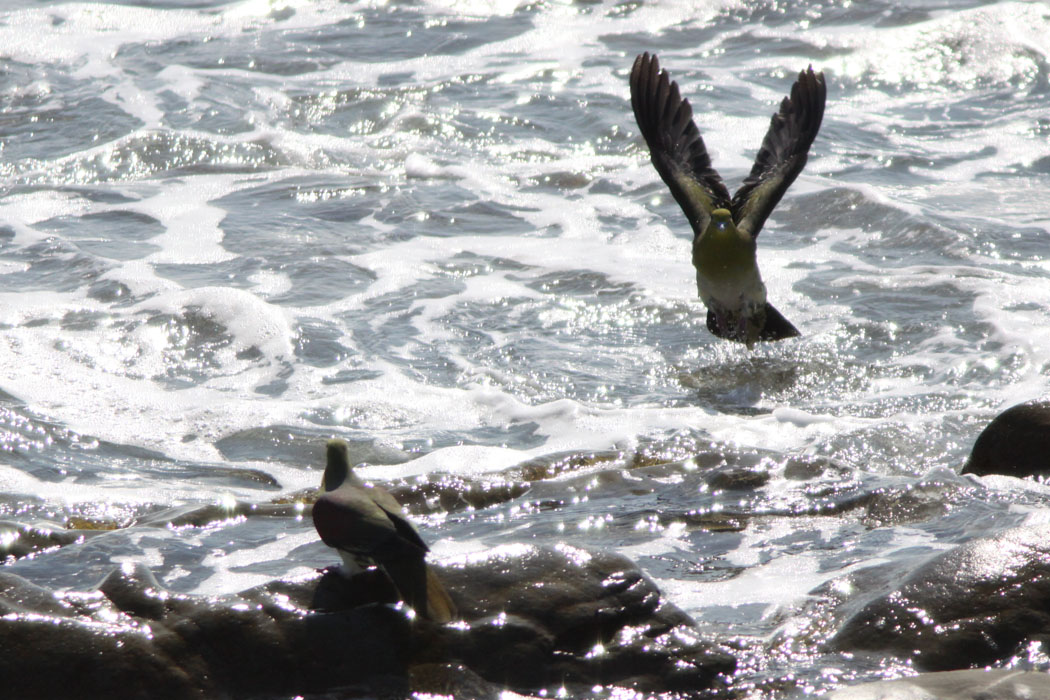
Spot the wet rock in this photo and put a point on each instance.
(130, 638)
(533, 618)
(996, 684)
(280, 443)
(564, 615)
(196, 515)
(452, 680)
(909, 503)
(714, 521)
(1015, 443)
(19, 539)
(239, 474)
(736, 479)
(805, 467)
(971, 606)
(556, 464)
(449, 493)
(564, 180)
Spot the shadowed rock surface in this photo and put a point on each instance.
(586, 618)
(532, 618)
(130, 638)
(970, 606)
(19, 539)
(1015, 443)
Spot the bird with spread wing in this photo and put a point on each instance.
(725, 229)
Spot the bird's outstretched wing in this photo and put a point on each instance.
(675, 145)
(783, 152)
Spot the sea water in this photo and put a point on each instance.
(232, 230)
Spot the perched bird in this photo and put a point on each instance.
(724, 229)
(368, 528)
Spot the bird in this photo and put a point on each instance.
(725, 229)
(367, 526)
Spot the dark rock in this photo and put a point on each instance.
(449, 493)
(564, 615)
(971, 606)
(805, 467)
(533, 618)
(914, 502)
(996, 684)
(132, 639)
(552, 465)
(452, 680)
(196, 515)
(736, 479)
(280, 443)
(1015, 443)
(19, 539)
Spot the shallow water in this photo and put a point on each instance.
(231, 230)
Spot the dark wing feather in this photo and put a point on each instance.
(783, 152)
(346, 519)
(405, 530)
(409, 574)
(675, 145)
(350, 519)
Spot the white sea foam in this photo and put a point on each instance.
(89, 34)
(20, 212)
(252, 322)
(957, 49)
(784, 582)
(228, 567)
(464, 460)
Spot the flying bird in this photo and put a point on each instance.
(366, 525)
(725, 230)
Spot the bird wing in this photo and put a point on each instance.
(783, 152)
(350, 520)
(410, 576)
(405, 529)
(675, 144)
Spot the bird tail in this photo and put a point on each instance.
(440, 607)
(777, 327)
(419, 586)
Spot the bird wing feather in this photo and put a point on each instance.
(783, 153)
(405, 529)
(675, 145)
(350, 520)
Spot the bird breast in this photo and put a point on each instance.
(727, 274)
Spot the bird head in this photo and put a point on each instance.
(337, 468)
(722, 220)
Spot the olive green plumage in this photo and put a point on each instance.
(725, 229)
(366, 525)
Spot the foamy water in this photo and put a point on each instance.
(229, 231)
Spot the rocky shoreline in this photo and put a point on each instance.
(537, 620)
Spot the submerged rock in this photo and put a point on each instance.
(968, 607)
(532, 618)
(1015, 443)
(975, 684)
